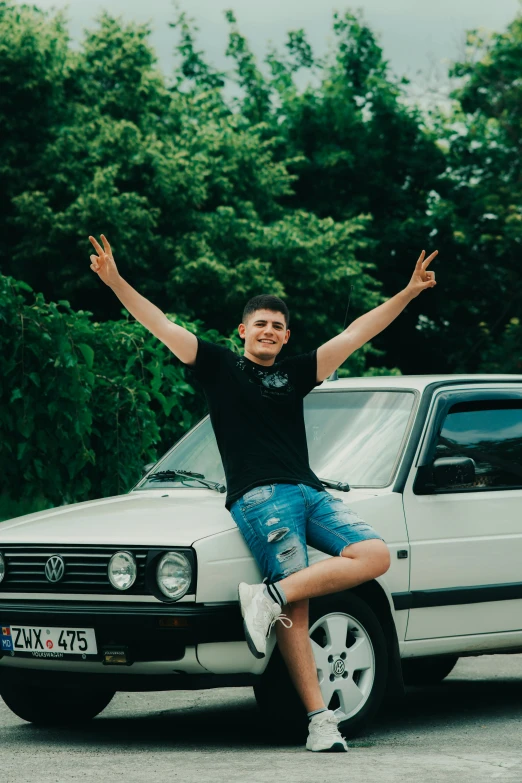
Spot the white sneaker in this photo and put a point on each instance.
(259, 616)
(323, 734)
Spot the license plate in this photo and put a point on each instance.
(43, 642)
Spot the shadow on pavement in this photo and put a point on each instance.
(454, 701)
(204, 726)
(200, 726)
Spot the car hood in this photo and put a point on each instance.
(168, 517)
(151, 517)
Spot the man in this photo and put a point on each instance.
(279, 505)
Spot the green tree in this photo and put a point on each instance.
(33, 55)
(477, 210)
(194, 195)
(355, 147)
(502, 353)
(83, 404)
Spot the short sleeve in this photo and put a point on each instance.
(209, 358)
(303, 369)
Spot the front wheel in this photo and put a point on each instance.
(53, 706)
(351, 657)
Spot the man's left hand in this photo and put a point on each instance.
(421, 278)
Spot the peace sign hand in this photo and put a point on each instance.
(103, 264)
(422, 279)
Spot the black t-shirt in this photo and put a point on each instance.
(257, 416)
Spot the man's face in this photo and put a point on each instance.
(264, 333)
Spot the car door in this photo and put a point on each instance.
(466, 536)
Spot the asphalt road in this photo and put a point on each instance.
(467, 730)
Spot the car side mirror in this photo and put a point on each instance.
(453, 471)
(147, 467)
(443, 473)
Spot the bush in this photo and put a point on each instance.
(83, 405)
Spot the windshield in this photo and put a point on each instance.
(353, 436)
(357, 436)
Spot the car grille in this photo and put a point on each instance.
(85, 570)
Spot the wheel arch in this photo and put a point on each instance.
(374, 594)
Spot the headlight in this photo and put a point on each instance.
(174, 574)
(122, 570)
(2, 567)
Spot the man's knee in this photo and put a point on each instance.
(384, 559)
(374, 553)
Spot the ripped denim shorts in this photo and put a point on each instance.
(277, 522)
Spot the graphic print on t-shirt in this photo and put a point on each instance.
(257, 416)
(274, 385)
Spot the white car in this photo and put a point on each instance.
(139, 591)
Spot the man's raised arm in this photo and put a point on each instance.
(181, 342)
(332, 354)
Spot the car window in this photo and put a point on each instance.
(353, 436)
(490, 433)
(357, 436)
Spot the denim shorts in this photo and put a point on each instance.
(277, 522)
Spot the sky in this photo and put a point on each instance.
(419, 37)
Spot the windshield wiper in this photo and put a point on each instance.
(168, 475)
(341, 486)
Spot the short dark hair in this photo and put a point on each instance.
(266, 302)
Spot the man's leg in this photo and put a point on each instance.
(358, 563)
(363, 557)
(358, 555)
(294, 645)
(272, 521)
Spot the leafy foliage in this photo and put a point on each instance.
(214, 187)
(191, 194)
(503, 353)
(83, 404)
(354, 147)
(477, 211)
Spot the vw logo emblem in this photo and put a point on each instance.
(54, 569)
(338, 667)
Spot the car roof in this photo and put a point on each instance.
(417, 382)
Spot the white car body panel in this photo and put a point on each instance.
(228, 560)
(468, 539)
(129, 599)
(154, 517)
(188, 665)
(475, 644)
(232, 657)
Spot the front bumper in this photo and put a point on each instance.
(148, 632)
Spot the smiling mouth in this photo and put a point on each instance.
(267, 342)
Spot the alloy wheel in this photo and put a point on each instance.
(345, 662)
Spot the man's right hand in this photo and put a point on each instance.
(179, 340)
(103, 264)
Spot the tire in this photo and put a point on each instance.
(53, 707)
(351, 655)
(430, 670)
